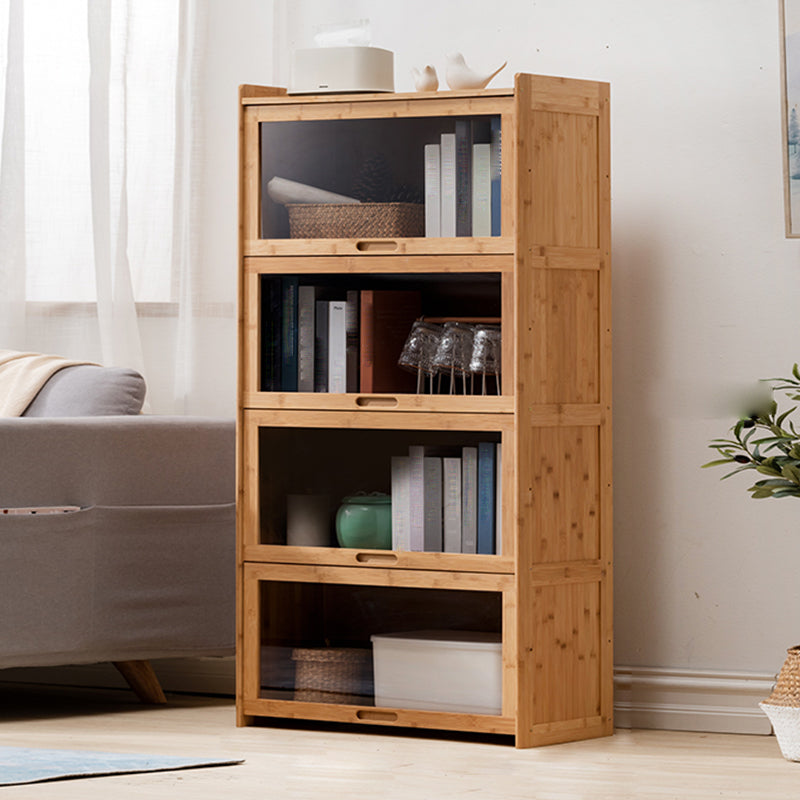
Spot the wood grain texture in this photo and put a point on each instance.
(141, 677)
(554, 416)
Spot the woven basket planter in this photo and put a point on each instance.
(783, 706)
(333, 675)
(355, 220)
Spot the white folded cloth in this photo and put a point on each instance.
(22, 375)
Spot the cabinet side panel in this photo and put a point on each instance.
(560, 508)
(559, 317)
(560, 161)
(566, 653)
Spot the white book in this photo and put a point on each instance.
(337, 346)
(401, 503)
(498, 536)
(448, 190)
(481, 190)
(425, 490)
(469, 500)
(451, 503)
(433, 198)
(416, 498)
(432, 537)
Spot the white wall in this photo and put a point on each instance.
(705, 284)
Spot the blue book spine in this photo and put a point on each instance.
(487, 514)
(289, 365)
(495, 162)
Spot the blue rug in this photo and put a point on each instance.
(28, 765)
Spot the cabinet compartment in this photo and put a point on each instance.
(375, 161)
(312, 632)
(339, 462)
(299, 339)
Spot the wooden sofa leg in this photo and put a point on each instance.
(143, 680)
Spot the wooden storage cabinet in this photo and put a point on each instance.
(547, 591)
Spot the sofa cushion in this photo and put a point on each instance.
(88, 390)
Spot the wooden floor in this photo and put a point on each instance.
(314, 762)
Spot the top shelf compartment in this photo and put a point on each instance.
(385, 154)
(381, 178)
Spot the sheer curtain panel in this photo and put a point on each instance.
(98, 259)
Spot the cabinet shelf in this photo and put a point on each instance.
(386, 559)
(378, 248)
(385, 403)
(542, 587)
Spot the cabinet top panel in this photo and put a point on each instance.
(268, 95)
(575, 94)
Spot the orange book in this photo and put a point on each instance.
(386, 319)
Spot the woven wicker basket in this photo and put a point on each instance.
(783, 706)
(355, 220)
(333, 675)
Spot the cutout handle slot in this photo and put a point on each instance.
(377, 716)
(378, 401)
(376, 558)
(376, 246)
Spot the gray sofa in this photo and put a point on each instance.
(141, 566)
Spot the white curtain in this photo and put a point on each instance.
(98, 253)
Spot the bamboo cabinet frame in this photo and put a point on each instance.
(551, 264)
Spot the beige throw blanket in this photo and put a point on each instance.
(22, 375)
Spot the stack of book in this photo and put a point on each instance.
(320, 339)
(447, 499)
(462, 180)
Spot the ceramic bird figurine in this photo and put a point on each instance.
(460, 76)
(427, 80)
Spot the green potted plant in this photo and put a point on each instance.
(767, 442)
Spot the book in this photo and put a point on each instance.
(307, 297)
(469, 499)
(401, 503)
(447, 220)
(487, 514)
(481, 191)
(498, 495)
(451, 504)
(495, 166)
(351, 323)
(433, 201)
(416, 498)
(432, 499)
(425, 493)
(463, 134)
(289, 290)
(271, 297)
(321, 347)
(386, 319)
(337, 346)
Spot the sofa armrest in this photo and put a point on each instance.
(125, 460)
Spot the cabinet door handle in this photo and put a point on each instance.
(376, 401)
(376, 246)
(377, 716)
(376, 558)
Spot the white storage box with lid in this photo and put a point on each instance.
(459, 671)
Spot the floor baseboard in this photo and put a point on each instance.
(690, 700)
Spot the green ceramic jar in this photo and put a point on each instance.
(365, 521)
